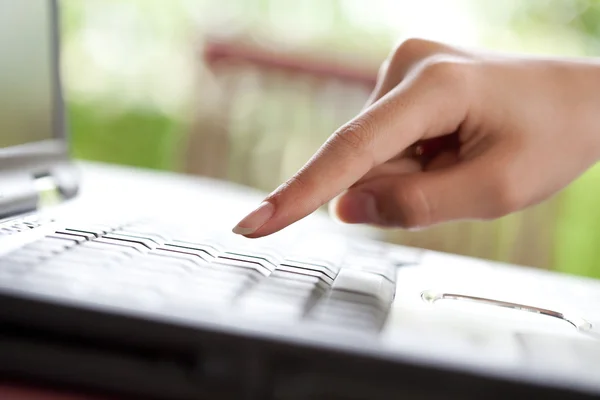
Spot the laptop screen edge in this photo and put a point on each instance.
(50, 157)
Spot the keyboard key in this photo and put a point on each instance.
(67, 236)
(121, 243)
(265, 259)
(86, 235)
(242, 262)
(143, 233)
(366, 283)
(288, 286)
(217, 278)
(344, 297)
(350, 308)
(264, 254)
(193, 266)
(272, 304)
(152, 262)
(110, 247)
(157, 240)
(347, 317)
(206, 252)
(285, 294)
(58, 242)
(211, 288)
(155, 277)
(84, 252)
(37, 220)
(329, 271)
(226, 274)
(129, 240)
(4, 231)
(306, 272)
(345, 308)
(329, 265)
(294, 277)
(189, 255)
(96, 230)
(45, 247)
(78, 260)
(375, 265)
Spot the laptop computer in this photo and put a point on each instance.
(128, 282)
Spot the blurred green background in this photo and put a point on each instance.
(246, 90)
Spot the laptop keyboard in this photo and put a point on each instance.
(324, 280)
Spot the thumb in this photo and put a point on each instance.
(464, 191)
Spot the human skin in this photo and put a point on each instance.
(504, 132)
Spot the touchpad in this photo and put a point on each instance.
(508, 314)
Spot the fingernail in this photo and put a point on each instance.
(332, 209)
(257, 218)
(357, 208)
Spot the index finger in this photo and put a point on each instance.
(397, 120)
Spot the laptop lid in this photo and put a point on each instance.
(33, 144)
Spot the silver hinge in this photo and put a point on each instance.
(21, 193)
(48, 191)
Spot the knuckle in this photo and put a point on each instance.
(293, 189)
(413, 209)
(408, 48)
(383, 69)
(296, 184)
(355, 137)
(444, 70)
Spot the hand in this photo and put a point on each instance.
(513, 132)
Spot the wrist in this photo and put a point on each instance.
(582, 98)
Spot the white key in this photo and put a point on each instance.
(363, 282)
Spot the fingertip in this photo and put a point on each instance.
(255, 220)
